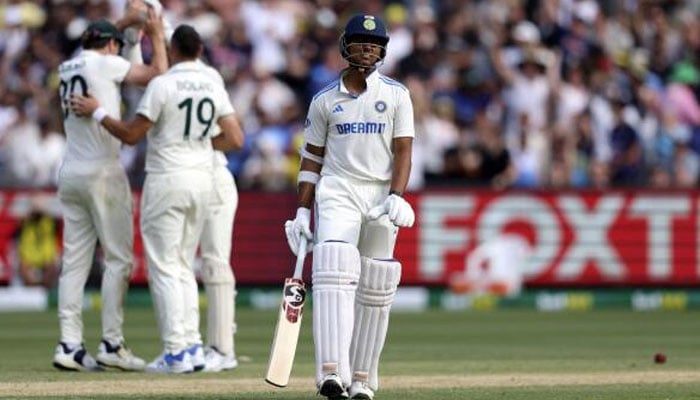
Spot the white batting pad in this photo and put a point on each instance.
(375, 294)
(220, 287)
(336, 270)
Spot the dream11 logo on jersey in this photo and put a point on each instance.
(611, 238)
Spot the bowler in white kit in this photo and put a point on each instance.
(355, 167)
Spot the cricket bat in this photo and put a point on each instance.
(284, 343)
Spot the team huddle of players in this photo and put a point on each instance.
(356, 160)
(188, 201)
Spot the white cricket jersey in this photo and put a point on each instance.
(357, 131)
(184, 105)
(99, 75)
(220, 159)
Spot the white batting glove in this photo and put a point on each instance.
(397, 209)
(299, 229)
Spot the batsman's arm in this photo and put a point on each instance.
(402, 164)
(311, 164)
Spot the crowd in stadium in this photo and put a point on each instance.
(507, 93)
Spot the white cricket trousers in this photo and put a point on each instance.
(216, 272)
(97, 205)
(341, 205)
(218, 231)
(173, 208)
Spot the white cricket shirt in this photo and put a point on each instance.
(184, 105)
(99, 75)
(220, 159)
(357, 131)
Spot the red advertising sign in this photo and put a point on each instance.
(607, 238)
(611, 238)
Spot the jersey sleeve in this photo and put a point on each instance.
(153, 100)
(403, 120)
(316, 125)
(114, 68)
(225, 108)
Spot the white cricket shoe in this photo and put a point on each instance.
(216, 361)
(74, 359)
(169, 363)
(332, 387)
(196, 353)
(360, 390)
(118, 356)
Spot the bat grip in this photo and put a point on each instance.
(301, 255)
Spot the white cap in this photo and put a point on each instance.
(526, 32)
(586, 11)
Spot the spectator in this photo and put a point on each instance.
(679, 93)
(37, 242)
(627, 158)
(501, 58)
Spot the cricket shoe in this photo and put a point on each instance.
(360, 390)
(196, 353)
(74, 359)
(169, 363)
(216, 361)
(332, 387)
(118, 356)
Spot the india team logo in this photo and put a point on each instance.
(369, 24)
(380, 106)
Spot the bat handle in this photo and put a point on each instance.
(301, 255)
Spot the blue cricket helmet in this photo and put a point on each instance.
(364, 26)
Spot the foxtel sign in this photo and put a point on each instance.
(612, 238)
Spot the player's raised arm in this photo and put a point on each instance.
(135, 13)
(141, 74)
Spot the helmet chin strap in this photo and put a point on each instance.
(366, 68)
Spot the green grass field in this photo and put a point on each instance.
(432, 355)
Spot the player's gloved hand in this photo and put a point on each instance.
(397, 209)
(299, 229)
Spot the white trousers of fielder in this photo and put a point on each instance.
(173, 208)
(97, 204)
(215, 251)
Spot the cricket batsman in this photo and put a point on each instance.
(355, 166)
